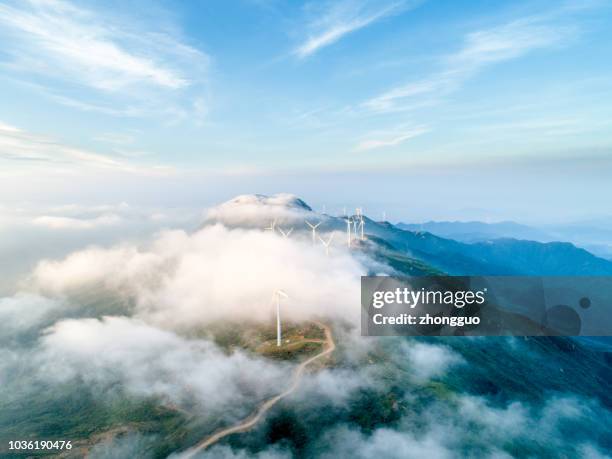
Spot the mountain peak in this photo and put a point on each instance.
(255, 210)
(286, 200)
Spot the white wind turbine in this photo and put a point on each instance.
(326, 244)
(361, 227)
(285, 234)
(272, 226)
(314, 230)
(348, 230)
(277, 295)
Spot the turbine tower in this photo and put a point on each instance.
(277, 294)
(361, 227)
(326, 244)
(348, 230)
(314, 230)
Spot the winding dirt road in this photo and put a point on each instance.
(254, 418)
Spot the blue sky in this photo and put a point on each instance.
(480, 109)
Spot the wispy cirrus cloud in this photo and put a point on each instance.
(480, 49)
(390, 139)
(75, 42)
(334, 21)
(17, 145)
(90, 58)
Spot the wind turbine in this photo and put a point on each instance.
(361, 227)
(355, 227)
(348, 230)
(314, 230)
(285, 234)
(277, 295)
(272, 226)
(326, 244)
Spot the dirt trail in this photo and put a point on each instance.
(254, 418)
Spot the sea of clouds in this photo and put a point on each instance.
(113, 304)
(162, 287)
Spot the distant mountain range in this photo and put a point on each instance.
(421, 252)
(502, 256)
(595, 236)
(475, 231)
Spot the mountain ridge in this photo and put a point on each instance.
(500, 256)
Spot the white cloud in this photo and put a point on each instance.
(480, 49)
(55, 222)
(216, 273)
(80, 209)
(31, 233)
(150, 362)
(226, 452)
(74, 41)
(98, 60)
(28, 149)
(506, 42)
(335, 385)
(589, 451)
(391, 139)
(24, 311)
(505, 422)
(343, 18)
(428, 361)
(444, 428)
(387, 443)
(389, 101)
